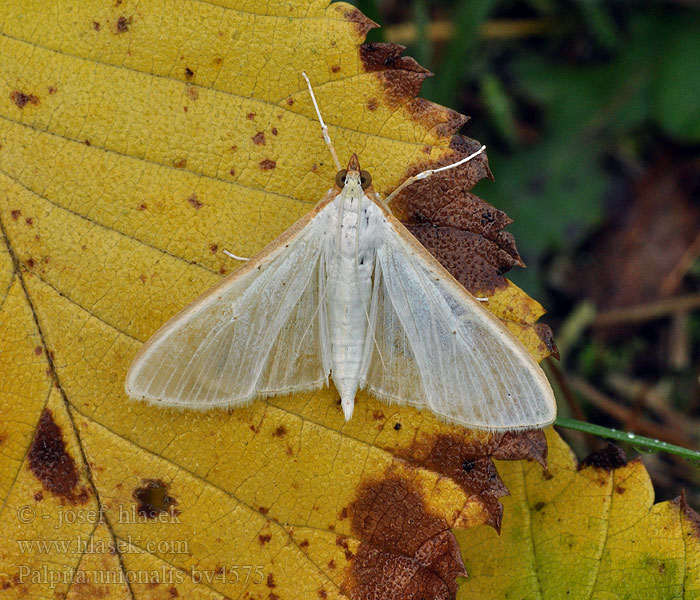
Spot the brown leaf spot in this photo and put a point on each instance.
(377, 415)
(544, 332)
(521, 445)
(21, 99)
(38, 350)
(87, 143)
(189, 73)
(405, 551)
(194, 202)
(470, 464)
(259, 138)
(29, 221)
(609, 458)
(213, 248)
(267, 164)
(264, 539)
(39, 496)
(180, 163)
(290, 101)
(154, 499)
(192, 92)
(335, 68)
(141, 207)
(31, 263)
(271, 581)
(263, 510)
(539, 506)
(274, 131)
(323, 594)
(123, 24)
(401, 76)
(372, 104)
(52, 89)
(453, 223)
(692, 517)
(218, 61)
(342, 542)
(250, 116)
(304, 543)
(96, 25)
(51, 464)
(281, 431)
(16, 213)
(362, 24)
(331, 563)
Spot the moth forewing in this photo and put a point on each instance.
(450, 353)
(169, 351)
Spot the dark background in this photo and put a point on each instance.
(591, 114)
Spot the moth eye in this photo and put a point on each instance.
(340, 178)
(365, 179)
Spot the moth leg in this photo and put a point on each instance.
(235, 257)
(383, 204)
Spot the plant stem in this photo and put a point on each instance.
(642, 443)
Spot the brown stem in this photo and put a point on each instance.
(647, 312)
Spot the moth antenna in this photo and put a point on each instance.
(324, 128)
(234, 257)
(429, 172)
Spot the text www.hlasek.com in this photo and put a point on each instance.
(89, 545)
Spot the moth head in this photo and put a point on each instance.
(353, 175)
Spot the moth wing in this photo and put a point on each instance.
(262, 331)
(433, 345)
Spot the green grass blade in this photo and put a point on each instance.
(641, 443)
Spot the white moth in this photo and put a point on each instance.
(347, 293)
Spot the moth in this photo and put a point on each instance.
(346, 293)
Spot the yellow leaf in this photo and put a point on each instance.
(583, 532)
(137, 142)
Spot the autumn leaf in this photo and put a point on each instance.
(137, 142)
(590, 530)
